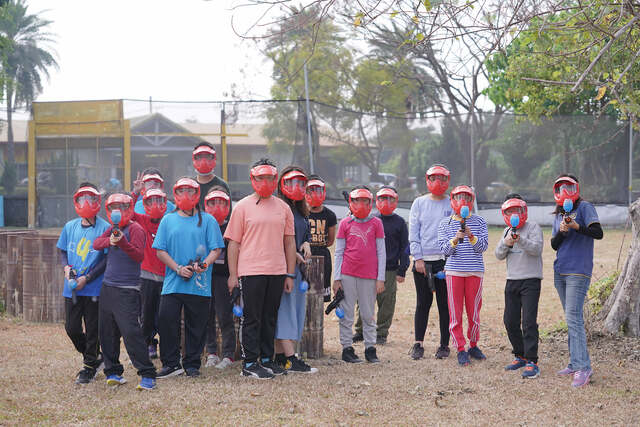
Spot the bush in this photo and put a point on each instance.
(599, 292)
(9, 178)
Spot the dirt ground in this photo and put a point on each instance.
(38, 366)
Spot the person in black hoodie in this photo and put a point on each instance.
(396, 241)
(217, 203)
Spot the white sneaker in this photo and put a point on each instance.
(224, 363)
(212, 360)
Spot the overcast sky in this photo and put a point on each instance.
(170, 50)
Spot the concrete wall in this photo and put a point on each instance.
(610, 215)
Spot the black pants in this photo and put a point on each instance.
(222, 307)
(120, 317)
(196, 314)
(324, 252)
(85, 341)
(424, 299)
(261, 297)
(521, 302)
(150, 292)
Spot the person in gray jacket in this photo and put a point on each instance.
(521, 246)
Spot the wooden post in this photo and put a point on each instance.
(312, 341)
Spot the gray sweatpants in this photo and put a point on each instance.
(364, 292)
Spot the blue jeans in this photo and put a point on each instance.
(572, 291)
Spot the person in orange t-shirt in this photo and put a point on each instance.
(262, 256)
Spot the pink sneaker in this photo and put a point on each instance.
(565, 371)
(582, 378)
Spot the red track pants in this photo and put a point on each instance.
(468, 291)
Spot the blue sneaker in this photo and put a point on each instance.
(147, 383)
(463, 358)
(531, 371)
(517, 363)
(476, 353)
(115, 380)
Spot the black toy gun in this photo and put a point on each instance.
(334, 304)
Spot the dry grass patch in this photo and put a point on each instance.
(38, 364)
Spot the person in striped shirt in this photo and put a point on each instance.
(463, 241)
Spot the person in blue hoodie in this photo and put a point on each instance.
(83, 273)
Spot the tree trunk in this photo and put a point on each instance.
(623, 305)
(11, 156)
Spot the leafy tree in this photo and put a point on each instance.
(26, 57)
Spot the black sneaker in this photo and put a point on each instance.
(442, 352)
(370, 355)
(170, 371)
(281, 360)
(476, 353)
(85, 376)
(256, 371)
(357, 337)
(273, 368)
(192, 372)
(349, 355)
(417, 351)
(381, 340)
(296, 365)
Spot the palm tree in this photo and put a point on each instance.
(24, 60)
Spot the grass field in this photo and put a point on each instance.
(38, 366)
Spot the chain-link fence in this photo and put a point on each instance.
(495, 153)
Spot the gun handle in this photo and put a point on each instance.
(462, 228)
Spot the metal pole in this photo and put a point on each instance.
(630, 159)
(473, 175)
(309, 141)
(150, 106)
(223, 143)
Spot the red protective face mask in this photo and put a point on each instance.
(218, 208)
(461, 196)
(566, 188)
(186, 200)
(122, 203)
(360, 209)
(264, 188)
(437, 187)
(87, 202)
(155, 203)
(386, 206)
(514, 207)
(294, 189)
(315, 196)
(204, 159)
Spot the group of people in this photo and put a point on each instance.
(158, 270)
